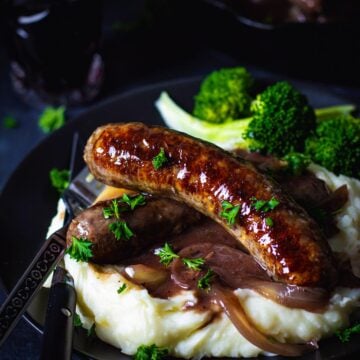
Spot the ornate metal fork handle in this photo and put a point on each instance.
(35, 275)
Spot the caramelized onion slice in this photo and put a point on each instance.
(230, 304)
(292, 296)
(145, 275)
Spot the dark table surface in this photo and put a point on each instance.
(194, 40)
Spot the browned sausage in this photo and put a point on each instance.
(293, 249)
(151, 223)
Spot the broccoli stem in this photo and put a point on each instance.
(225, 135)
(334, 111)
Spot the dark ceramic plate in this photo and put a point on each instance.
(28, 202)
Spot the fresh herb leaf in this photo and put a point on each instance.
(133, 201)
(205, 281)
(122, 288)
(80, 249)
(194, 264)
(91, 332)
(269, 221)
(344, 335)
(9, 122)
(159, 160)
(229, 212)
(297, 163)
(52, 119)
(150, 352)
(166, 254)
(121, 230)
(264, 205)
(77, 321)
(112, 210)
(60, 179)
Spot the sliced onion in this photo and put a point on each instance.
(232, 307)
(145, 275)
(292, 296)
(239, 270)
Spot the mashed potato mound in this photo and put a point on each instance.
(133, 318)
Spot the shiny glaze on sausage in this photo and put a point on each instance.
(292, 250)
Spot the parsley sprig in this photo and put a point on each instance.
(52, 119)
(166, 254)
(77, 321)
(91, 332)
(80, 249)
(60, 179)
(264, 205)
(150, 352)
(121, 230)
(160, 159)
(194, 264)
(229, 212)
(204, 282)
(133, 201)
(112, 211)
(122, 288)
(344, 335)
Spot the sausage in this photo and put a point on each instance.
(154, 222)
(293, 250)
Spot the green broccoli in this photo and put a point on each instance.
(297, 163)
(336, 145)
(224, 95)
(282, 119)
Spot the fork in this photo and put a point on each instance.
(81, 192)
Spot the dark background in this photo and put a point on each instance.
(181, 39)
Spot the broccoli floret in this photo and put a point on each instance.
(224, 95)
(336, 145)
(282, 120)
(297, 163)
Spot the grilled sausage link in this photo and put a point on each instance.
(153, 222)
(290, 245)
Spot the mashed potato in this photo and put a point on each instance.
(133, 318)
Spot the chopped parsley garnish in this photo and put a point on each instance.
(166, 254)
(121, 230)
(297, 163)
(91, 332)
(160, 159)
(9, 122)
(229, 212)
(264, 205)
(133, 201)
(52, 119)
(77, 321)
(205, 281)
(150, 352)
(112, 210)
(80, 249)
(122, 288)
(344, 335)
(269, 221)
(60, 179)
(194, 264)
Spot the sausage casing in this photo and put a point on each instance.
(292, 248)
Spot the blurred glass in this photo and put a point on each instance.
(54, 49)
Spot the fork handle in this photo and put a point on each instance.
(59, 328)
(31, 281)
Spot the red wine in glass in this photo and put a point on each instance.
(54, 49)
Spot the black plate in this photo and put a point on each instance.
(28, 202)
